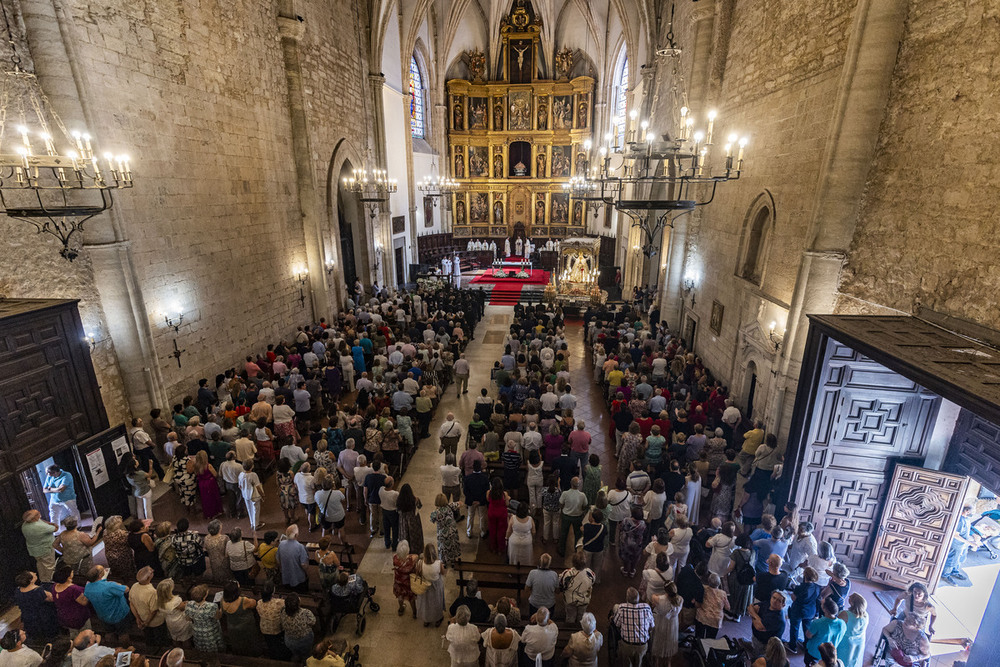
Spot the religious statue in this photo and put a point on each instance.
(460, 213)
(543, 115)
(581, 164)
(498, 165)
(581, 115)
(459, 166)
(506, 247)
(498, 213)
(540, 165)
(458, 116)
(564, 63)
(540, 212)
(520, 112)
(498, 114)
(561, 118)
(578, 213)
(477, 64)
(519, 246)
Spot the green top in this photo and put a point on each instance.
(38, 537)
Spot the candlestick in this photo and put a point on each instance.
(739, 157)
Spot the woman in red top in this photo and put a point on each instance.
(496, 516)
(403, 563)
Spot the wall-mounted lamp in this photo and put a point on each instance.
(301, 274)
(91, 340)
(776, 338)
(330, 266)
(174, 318)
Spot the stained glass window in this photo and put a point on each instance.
(416, 101)
(621, 94)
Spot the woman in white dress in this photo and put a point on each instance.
(666, 609)
(692, 494)
(501, 643)
(722, 545)
(520, 534)
(430, 605)
(655, 579)
(172, 608)
(463, 640)
(680, 540)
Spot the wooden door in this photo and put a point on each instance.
(921, 511)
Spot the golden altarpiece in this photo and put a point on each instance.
(514, 141)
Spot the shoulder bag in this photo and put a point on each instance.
(418, 584)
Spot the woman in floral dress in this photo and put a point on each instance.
(449, 549)
(205, 621)
(403, 563)
(630, 536)
(121, 560)
(184, 482)
(287, 493)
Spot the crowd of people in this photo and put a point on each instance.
(683, 519)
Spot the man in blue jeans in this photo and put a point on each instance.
(960, 543)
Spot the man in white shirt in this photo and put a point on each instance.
(450, 434)
(87, 649)
(361, 471)
(252, 492)
(307, 491)
(549, 402)
(245, 449)
(390, 516)
(145, 608)
(567, 401)
(540, 639)
(461, 375)
(532, 439)
(347, 461)
(730, 418)
(395, 357)
(365, 383)
(293, 453)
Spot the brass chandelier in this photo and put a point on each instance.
(653, 177)
(50, 177)
(371, 189)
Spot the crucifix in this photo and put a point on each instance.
(520, 56)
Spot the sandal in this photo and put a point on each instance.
(400, 611)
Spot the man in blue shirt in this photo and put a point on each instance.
(960, 543)
(774, 544)
(62, 494)
(108, 599)
(292, 560)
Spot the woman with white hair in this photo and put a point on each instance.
(583, 647)
(430, 603)
(501, 643)
(463, 639)
(403, 563)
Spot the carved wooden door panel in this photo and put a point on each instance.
(866, 417)
(974, 450)
(920, 515)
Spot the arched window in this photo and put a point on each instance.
(416, 101)
(757, 228)
(620, 99)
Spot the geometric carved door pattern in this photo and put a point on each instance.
(974, 450)
(865, 417)
(915, 532)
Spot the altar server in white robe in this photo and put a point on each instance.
(456, 271)
(519, 247)
(445, 266)
(506, 247)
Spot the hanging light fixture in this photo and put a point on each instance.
(437, 186)
(50, 177)
(653, 177)
(371, 189)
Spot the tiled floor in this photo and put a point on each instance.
(391, 639)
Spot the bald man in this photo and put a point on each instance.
(450, 434)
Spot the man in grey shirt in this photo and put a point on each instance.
(573, 503)
(230, 471)
(541, 585)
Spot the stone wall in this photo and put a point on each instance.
(197, 95)
(781, 73)
(927, 229)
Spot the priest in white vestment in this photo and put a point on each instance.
(456, 271)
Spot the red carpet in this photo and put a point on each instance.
(505, 293)
(536, 277)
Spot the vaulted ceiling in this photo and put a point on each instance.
(441, 30)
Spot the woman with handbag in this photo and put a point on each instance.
(427, 582)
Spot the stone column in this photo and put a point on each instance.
(381, 224)
(49, 32)
(702, 19)
(291, 29)
(858, 110)
(440, 136)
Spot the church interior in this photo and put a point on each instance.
(186, 184)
